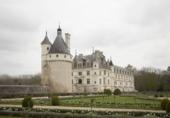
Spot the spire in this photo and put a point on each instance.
(46, 40)
(59, 29)
(46, 33)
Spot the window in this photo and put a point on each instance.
(108, 81)
(64, 56)
(88, 81)
(47, 48)
(80, 73)
(50, 56)
(88, 72)
(79, 81)
(103, 80)
(57, 55)
(94, 73)
(100, 73)
(100, 81)
(104, 72)
(94, 82)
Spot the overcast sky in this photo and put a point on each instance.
(135, 32)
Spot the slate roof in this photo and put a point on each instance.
(46, 40)
(59, 46)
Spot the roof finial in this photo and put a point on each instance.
(59, 29)
(46, 33)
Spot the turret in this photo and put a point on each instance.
(45, 45)
(67, 40)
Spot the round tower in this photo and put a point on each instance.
(59, 66)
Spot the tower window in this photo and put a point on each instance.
(57, 55)
(47, 48)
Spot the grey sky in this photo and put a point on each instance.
(130, 31)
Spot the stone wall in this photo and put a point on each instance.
(21, 90)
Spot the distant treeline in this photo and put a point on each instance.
(20, 80)
(145, 81)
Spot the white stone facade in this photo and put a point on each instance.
(97, 77)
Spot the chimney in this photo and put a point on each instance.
(67, 40)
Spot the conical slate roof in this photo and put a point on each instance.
(46, 40)
(59, 46)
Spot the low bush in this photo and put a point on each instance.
(117, 92)
(54, 100)
(156, 95)
(107, 92)
(168, 107)
(27, 102)
(164, 103)
(161, 95)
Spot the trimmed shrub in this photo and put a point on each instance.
(107, 92)
(161, 95)
(168, 107)
(117, 92)
(54, 100)
(156, 95)
(164, 103)
(27, 102)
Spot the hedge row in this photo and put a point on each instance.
(42, 113)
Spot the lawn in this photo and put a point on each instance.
(136, 102)
(113, 102)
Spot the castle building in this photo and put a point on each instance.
(56, 63)
(92, 73)
(89, 73)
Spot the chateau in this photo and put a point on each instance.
(92, 73)
(83, 73)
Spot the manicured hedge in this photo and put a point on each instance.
(168, 107)
(54, 100)
(27, 102)
(60, 113)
